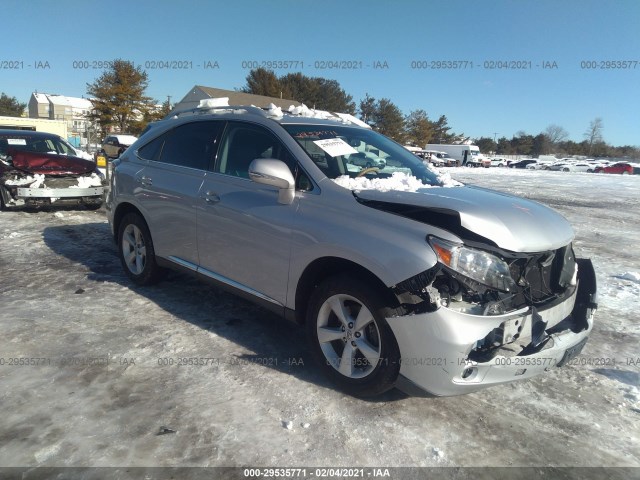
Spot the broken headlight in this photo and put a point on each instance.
(478, 265)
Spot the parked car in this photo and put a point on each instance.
(38, 169)
(578, 167)
(522, 163)
(115, 145)
(622, 168)
(539, 165)
(499, 162)
(557, 166)
(366, 160)
(441, 159)
(401, 278)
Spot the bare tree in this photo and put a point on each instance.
(556, 134)
(594, 133)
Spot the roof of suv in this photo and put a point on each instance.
(301, 115)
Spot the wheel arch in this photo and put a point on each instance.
(121, 210)
(321, 269)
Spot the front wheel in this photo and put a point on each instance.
(350, 337)
(136, 251)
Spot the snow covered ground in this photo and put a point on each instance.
(97, 372)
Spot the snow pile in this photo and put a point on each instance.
(274, 111)
(398, 181)
(445, 177)
(92, 180)
(39, 181)
(33, 182)
(83, 154)
(631, 276)
(214, 102)
(304, 111)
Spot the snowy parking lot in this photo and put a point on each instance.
(98, 372)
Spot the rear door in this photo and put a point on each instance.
(169, 184)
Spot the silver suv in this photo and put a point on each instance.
(401, 277)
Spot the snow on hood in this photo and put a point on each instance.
(50, 164)
(510, 222)
(399, 181)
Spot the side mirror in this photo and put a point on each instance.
(269, 171)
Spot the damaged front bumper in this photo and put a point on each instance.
(439, 348)
(47, 196)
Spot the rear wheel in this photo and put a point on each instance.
(625, 173)
(136, 251)
(350, 337)
(565, 169)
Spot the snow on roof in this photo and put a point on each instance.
(41, 97)
(352, 119)
(73, 102)
(214, 102)
(125, 139)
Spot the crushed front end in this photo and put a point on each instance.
(37, 179)
(484, 316)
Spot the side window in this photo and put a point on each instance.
(191, 145)
(243, 143)
(151, 151)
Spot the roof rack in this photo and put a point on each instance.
(272, 111)
(219, 109)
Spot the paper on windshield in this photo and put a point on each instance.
(335, 147)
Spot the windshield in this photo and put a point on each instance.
(356, 152)
(30, 143)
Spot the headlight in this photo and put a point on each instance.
(477, 265)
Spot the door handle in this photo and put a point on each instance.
(211, 197)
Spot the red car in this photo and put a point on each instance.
(38, 169)
(621, 168)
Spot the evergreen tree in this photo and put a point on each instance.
(10, 106)
(263, 82)
(118, 96)
(419, 129)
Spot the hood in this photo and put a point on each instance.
(511, 223)
(50, 163)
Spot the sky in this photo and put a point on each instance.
(522, 65)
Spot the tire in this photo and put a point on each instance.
(92, 206)
(371, 346)
(625, 173)
(367, 165)
(590, 171)
(565, 169)
(3, 192)
(135, 249)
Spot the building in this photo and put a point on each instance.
(57, 127)
(72, 110)
(198, 92)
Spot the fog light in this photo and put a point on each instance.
(469, 373)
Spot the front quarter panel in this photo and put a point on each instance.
(334, 224)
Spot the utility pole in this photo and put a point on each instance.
(494, 136)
